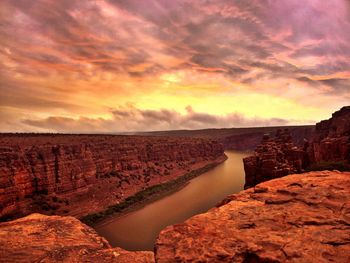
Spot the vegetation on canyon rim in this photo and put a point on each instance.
(145, 196)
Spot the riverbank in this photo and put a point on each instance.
(146, 196)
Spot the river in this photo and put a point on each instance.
(138, 230)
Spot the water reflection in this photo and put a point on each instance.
(138, 230)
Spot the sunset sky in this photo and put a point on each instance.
(115, 66)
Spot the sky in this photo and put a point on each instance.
(129, 65)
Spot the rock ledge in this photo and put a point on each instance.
(297, 218)
(40, 238)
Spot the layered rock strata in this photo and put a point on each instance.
(40, 238)
(297, 218)
(273, 158)
(81, 174)
(331, 140)
(329, 147)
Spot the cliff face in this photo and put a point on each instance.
(39, 238)
(331, 140)
(278, 157)
(297, 218)
(80, 174)
(273, 158)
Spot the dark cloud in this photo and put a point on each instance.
(72, 32)
(307, 80)
(52, 51)
(339, 85)
(208, 34)
(134, 119)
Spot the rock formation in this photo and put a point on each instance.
(81, 174)
(40, 238)
(329, 147)
(274, 158)
(331, 140)
(297, 218)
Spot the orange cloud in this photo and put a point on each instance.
(66, 59)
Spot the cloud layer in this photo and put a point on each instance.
(71, 60)
(128, 119)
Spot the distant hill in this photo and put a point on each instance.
(238, 138)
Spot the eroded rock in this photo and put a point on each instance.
(331, 140)
(82, 174)
(40, 238)
(273, 158)
(297, 218)
(329, 148)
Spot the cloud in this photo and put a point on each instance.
(335, 85)
(338, 85)
(71, 58)
(133, 119)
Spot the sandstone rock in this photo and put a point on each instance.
(297, 218)
(81, 174)
(40, 238)
(273, 158)
(331, 140)
(278, 157)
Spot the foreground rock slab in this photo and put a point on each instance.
(40, 238)
(297, 218)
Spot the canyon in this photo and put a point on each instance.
(295, 208)
(296, 218)
(84, 174)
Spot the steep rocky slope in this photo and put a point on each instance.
(297, 218)
(331, 140)
(273, 158)
(80, 174)
(328, 148)
(39, 238)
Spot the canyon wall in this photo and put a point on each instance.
(80, 174)
(327, 148)
(331, 140)
(273, 158)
